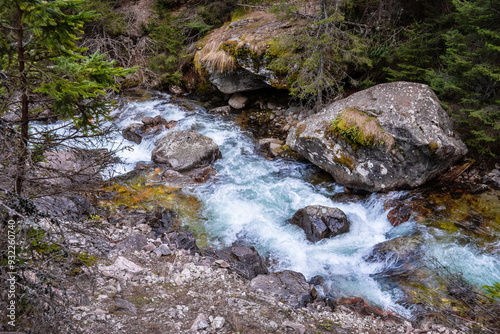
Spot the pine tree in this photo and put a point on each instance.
(319, 57)
(458, 55)
(43, 68)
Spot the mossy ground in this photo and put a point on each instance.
(140, 193)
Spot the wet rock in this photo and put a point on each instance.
(225, 110)
(492, 179)
(185, 240)
(170, 124)
(176, 90)
(124, 306)
(399, 214)
(319, 222)
(134, 132)
(238, 101)
(400, 255)
(163, 220)
(148, 121)
(245, 260)
(135, 242)
(175, 179)
(403, 138)
(472, 222)
(185, 150)
(271, 146)
(359, 305)
(288, 286)
(203, 174)
(158, 120)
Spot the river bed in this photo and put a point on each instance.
(252, 198)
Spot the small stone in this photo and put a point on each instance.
(148, 121)
(199, 323)
(127, 265)
(225, 110)
(297, 327)
(222, 263)
(134, 242)
(100, 314)
(144, 228)
(162, 250)
(124, 306)
(149, 247)
(218, 322)
(238, 101)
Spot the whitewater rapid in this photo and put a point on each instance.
(252, 198)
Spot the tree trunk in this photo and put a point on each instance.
(23, 144)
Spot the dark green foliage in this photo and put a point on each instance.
(458, 55)
(319, 58)
(107, 19)
(169, 40)
(46, 70)
(215, 13)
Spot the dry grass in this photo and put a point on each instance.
(214, 59)
(362, 129)
(254, 33)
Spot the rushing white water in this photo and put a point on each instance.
(252, 198)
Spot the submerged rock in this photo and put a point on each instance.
(390, 136)
(319, 222)
(185, 150)
(400, 255)
(245, 260)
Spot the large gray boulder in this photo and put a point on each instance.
(320, 222)
(185, 150)
(390, 136)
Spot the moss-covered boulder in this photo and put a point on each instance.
(390, 136)
(235, 57)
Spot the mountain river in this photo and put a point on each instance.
(251, 198)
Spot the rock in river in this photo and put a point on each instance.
(185, 150)
(321, 222)
(390, 136)
(134, 132)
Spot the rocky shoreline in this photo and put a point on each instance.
(143, 283)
